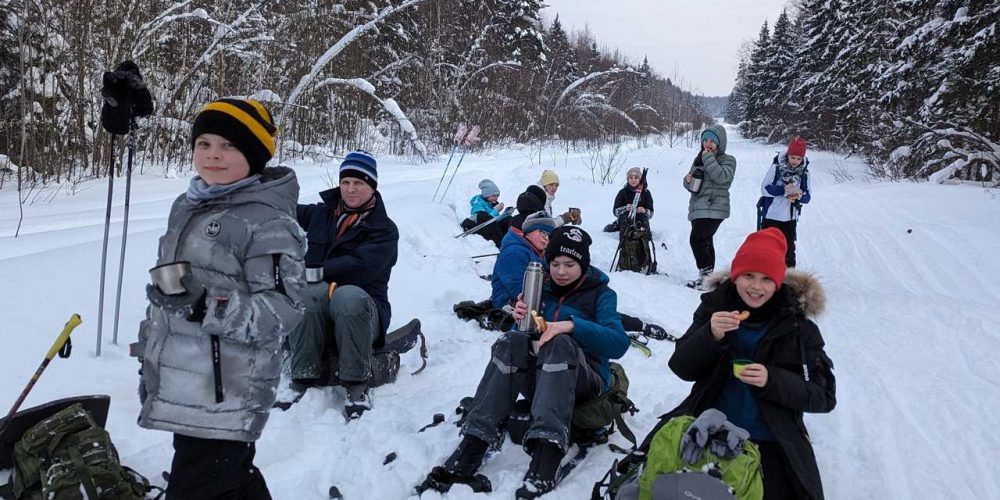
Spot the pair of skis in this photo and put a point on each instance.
(465, 138)
(507, 212)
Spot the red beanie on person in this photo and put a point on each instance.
(762, 252)
(797, 147)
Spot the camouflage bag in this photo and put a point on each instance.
(68, 457)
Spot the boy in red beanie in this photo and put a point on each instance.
(789, 371)
(784, 190)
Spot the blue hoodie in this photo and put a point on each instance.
(597, 327)
(479, 204)
(508, 272)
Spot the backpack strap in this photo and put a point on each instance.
(86, 480)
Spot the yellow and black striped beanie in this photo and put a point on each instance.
(244, 122)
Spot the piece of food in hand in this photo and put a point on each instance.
(539, 321)
(743, 315)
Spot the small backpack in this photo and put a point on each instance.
(68, 456)
(657, 472)
(637, 252)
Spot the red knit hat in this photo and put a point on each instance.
(797, 146)
(762, 252)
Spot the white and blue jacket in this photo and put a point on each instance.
(773, 204)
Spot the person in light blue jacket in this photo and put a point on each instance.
(485, 206)
(784, 189)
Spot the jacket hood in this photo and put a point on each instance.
(278, 188)
(803, 287)
(721, 132)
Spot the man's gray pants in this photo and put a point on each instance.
(554, 381)
(352, 316)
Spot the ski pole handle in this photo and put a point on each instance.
(73, 322)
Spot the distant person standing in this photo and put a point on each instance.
(784, 190)
(708, 180)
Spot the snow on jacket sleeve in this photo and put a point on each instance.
(697, 352)
(621, 199)
(721, 171)
(767, 186)
(272, 304)
(605, 336)
(790, 389)
(369, 261)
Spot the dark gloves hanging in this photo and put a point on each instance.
(125, 97)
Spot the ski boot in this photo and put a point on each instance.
(358, 400)
(541, 476)
(657, 332)
(460, 468)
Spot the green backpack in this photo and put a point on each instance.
(607, 409)
(656, 474)
(67, 456)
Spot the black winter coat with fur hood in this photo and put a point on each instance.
(800, 374)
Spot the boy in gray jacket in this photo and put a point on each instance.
(210, 355)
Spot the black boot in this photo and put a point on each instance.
(611, 228)
(656, 332)
(541, 476)
(461, 468)
(358, 400)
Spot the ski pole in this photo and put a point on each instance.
(57, 348)
(494, 254)
(121, 261)
(104, 251)
(445, 172)
(453, 172)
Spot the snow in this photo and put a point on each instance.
(910, 323)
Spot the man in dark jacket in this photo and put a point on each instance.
(353, 240)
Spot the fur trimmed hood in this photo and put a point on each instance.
(804, 287)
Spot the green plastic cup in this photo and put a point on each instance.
(739, 365)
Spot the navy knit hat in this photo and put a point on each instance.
(245, 123)
(571, 241)
(360, 165)
(488, 188)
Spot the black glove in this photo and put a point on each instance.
(125, 97)
(190, 304)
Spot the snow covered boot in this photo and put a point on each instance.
(292, 393)
(358, 400)
(611, 228)
(541, 476)
(460, 468)
(657, 332)
(699, 284)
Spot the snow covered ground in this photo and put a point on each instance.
(909, 325)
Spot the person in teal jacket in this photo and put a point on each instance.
(568, 367)
(485, 206)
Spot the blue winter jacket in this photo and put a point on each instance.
(363, 256)
(508, 272)
(597, 326)
(479, 204)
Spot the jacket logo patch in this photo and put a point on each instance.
(575, 235)
(213, 229)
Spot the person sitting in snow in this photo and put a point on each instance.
(583, 333)
(235, 226)
(485, 206)
(789, 372)
(623, 201)
(784, 190)
(549, 182)
(353, 240)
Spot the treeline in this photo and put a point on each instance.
(912, 85)
(389, 76)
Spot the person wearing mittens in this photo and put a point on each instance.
(708, 180)
(789, 372)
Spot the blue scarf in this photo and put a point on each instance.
(200, 191)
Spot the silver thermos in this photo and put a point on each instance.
(696, 177)
(531, 294)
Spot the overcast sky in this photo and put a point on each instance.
(697, 41)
